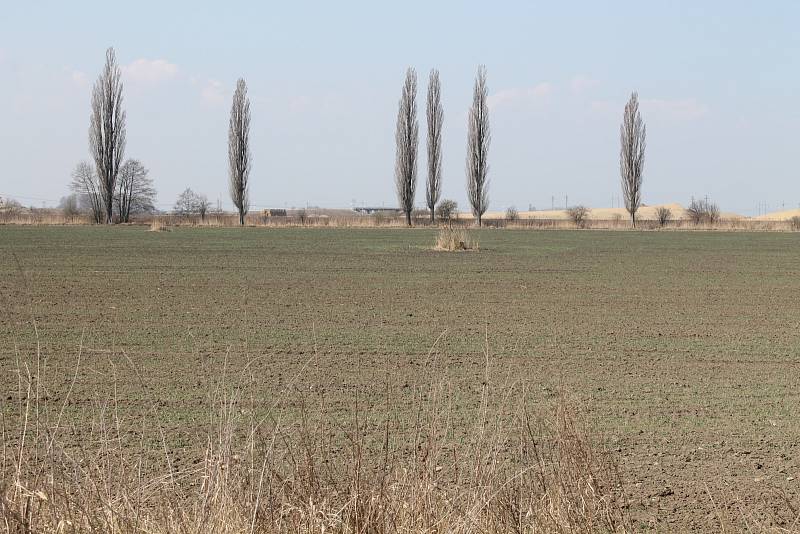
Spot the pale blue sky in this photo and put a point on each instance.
(719, 83)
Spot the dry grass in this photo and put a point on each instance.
(516, 471)
(455, 239)
(42, 217)
(157, 225)
(312, 219)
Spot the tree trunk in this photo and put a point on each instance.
(241, 218)
(479, 220)
(408, 218)
(433, 216)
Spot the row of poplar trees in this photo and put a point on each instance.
(107, 136)
(632, 145)
(407, 141)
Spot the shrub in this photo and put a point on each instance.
(794, 223)
(452, 240)
(664, 215)
(69, 205)
(378, 218)
(447, 210)
(10, 207)
(579, 215)
(512, 214)
(703, 211)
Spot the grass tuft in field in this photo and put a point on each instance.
(157, 225)
(455, 239)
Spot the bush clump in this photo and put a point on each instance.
(447, 210)
(703, 212)
(512, 214)
(664, 215)
(579, 215)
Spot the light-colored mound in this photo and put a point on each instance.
(645, 213)
(778, 215)
(604, 214)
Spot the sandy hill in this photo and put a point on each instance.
(603, 214)
(778, 215)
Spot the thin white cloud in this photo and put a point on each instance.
(580, 84)
(212, 92)
(520, 95)
(149, 71)
(687, 109)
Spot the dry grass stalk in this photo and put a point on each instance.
(157, 225)
(517, 471)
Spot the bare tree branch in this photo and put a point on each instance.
(239, 157)
(478, 141)
(435, 116)
(86, 185)
(632, 136)
(191, 203)
(407, 139)
(135, 191)
(107, 130)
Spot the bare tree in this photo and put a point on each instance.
(447, 210)
(407, 140)
(191, 203)
(435, 116)
(203, 205)
(69, 205)
(512, 214)
(186, 203)
(632, 134)
(135, 191)
(107, 131)
(239, 157)
(664, 215)
(703, 211)
(478, 141)
(579, 215)
(86, 184)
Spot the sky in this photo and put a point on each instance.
(718, 82)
